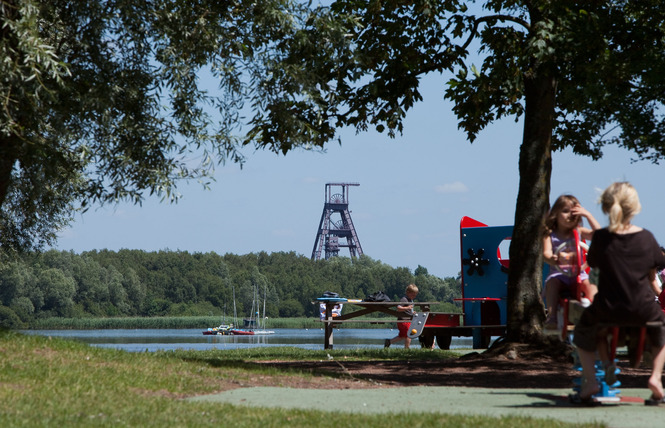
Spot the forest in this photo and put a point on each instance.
(178, 283)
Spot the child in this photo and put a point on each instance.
(404, 320)
(564, 217)
(625, 254)
(336, 310)
(658, 282)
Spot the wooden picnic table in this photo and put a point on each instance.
(364, 309)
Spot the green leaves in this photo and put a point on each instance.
(358, 64)
(102, 101)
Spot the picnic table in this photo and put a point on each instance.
(363, 308)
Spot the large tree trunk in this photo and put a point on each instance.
(525, 309)
(7, 160)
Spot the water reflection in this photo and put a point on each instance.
(150, 340)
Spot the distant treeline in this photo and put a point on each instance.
(135, 283)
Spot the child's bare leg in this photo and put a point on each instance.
(395, 339)
(589, 289)
(552, 289)
(590, 386)
(656, 378)
(603, 346)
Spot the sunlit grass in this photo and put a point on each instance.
(62, 383)
(300, 354)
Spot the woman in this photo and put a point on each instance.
(625, 255)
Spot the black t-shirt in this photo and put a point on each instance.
(624, 287)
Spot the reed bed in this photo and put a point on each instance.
(124, 323)
(174, 322)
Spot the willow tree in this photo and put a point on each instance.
(101, 100)
(580, 75)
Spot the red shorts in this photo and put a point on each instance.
(403, 327)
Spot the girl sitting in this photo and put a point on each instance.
(560, 251)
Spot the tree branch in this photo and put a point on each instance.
(492, 18)
(474, 31)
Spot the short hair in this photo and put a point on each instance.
(411, 288)
(621, 203)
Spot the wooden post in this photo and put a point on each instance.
(328, 337)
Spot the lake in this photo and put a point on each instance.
(150, 340)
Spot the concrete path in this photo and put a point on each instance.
(542, 403)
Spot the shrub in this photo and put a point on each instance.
(9, 319)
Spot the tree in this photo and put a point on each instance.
(58, 291)
(420, 270)
(582, 75)
(100, 100)
(136, 290)
(9, 319)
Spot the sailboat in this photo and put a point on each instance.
(262, 323)
(239, 331)
(252, 322)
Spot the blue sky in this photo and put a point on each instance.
(413, 191)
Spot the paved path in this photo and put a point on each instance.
(542, 403)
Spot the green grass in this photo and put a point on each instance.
(300, 354)
(60, 383)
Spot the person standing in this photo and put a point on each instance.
(405, 309)
(625, 255)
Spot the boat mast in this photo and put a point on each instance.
(263, 318)
(254, 307)
(235, 314)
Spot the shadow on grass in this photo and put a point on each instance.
(298, 361)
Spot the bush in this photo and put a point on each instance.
(156, 307)
(291, 308)
(23, 308)
(9, 319)
(193, 309)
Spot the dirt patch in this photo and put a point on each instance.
(522, 368)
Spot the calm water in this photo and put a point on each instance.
(150, 340)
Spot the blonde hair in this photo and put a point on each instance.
(412, 288)
(560, 203)
(621, 203)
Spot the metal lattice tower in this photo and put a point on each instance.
(332, 228)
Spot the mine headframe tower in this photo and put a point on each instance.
(336, 224)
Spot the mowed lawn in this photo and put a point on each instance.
(62, 383)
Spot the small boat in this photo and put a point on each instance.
(241, 332)
(222, 330)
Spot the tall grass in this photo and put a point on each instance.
(60, 383)
(124, 323)
(202, 322)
